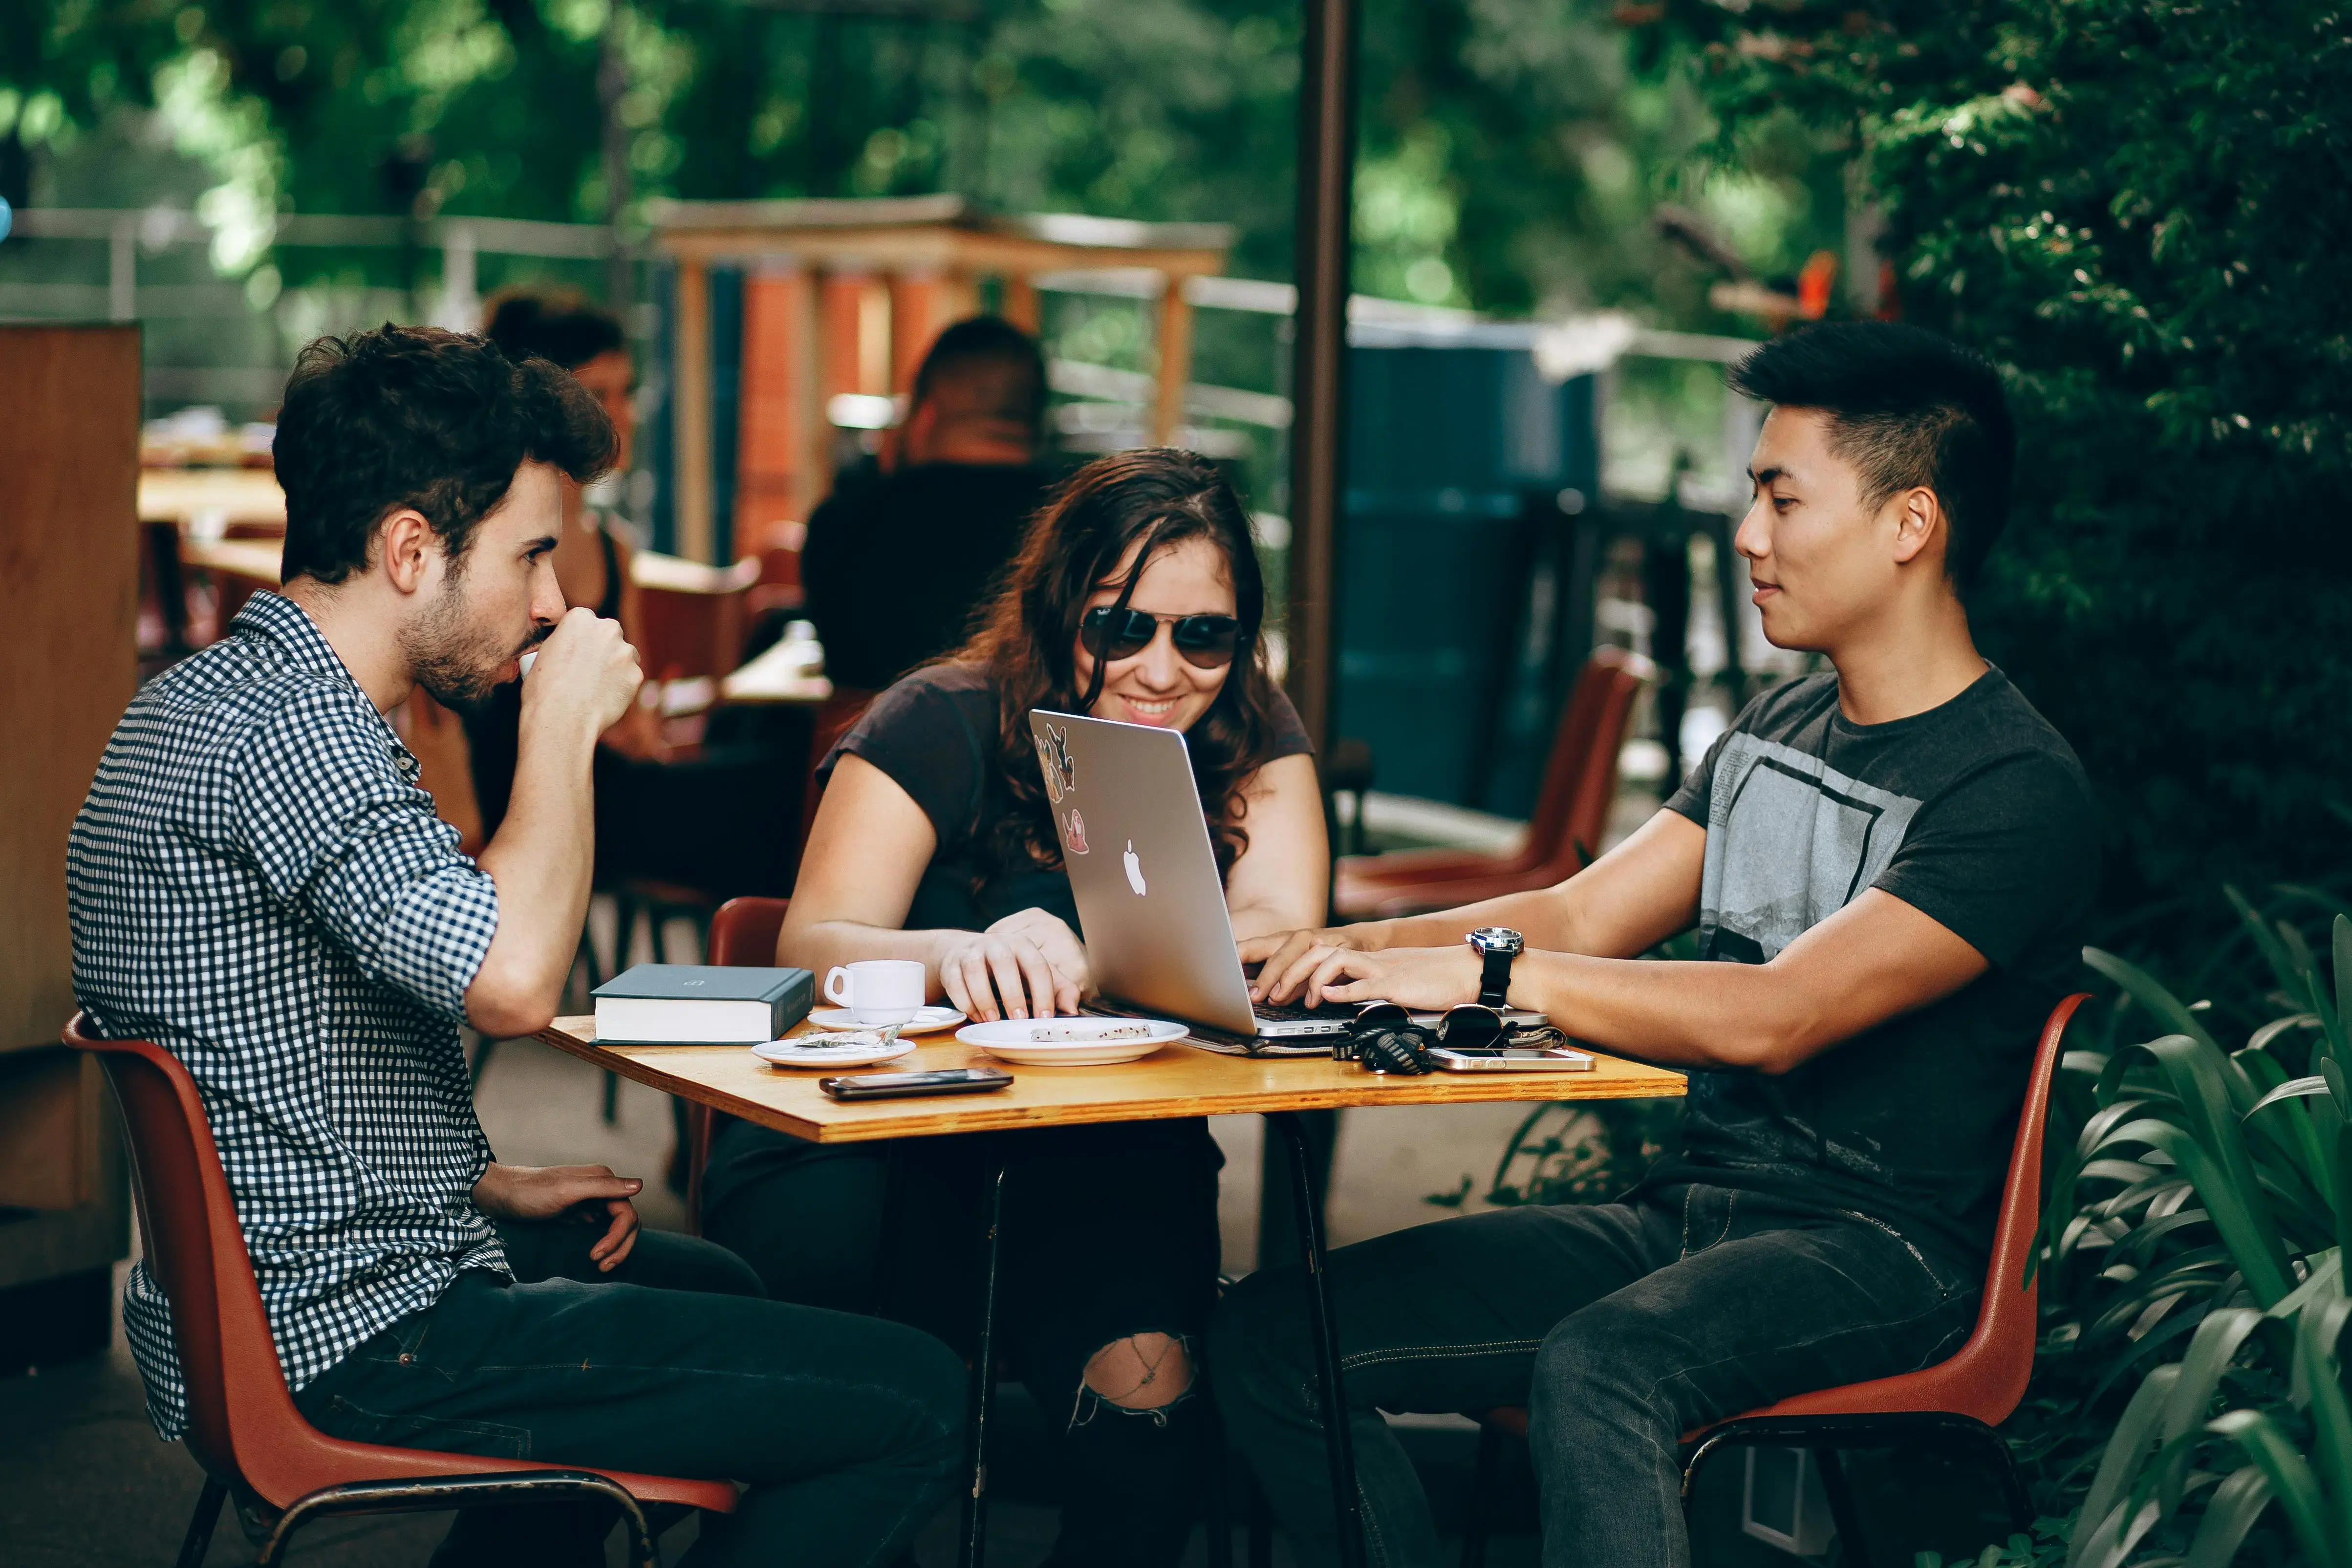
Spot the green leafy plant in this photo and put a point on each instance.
(2203, 1211)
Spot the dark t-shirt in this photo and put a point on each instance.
(1976, 814)
(896, 566)
(934, 733)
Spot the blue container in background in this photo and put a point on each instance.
(1457, 452)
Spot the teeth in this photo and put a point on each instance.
(1151, 707)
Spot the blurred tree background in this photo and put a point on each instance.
(2138, 209)
(1512, 150)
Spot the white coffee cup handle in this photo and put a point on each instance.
(838, 995)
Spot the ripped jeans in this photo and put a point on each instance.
(1110, 1233)
(1620, 1326)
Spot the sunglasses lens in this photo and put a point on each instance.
(1116, 635)
(1207, 641)
(1471, 1028)
(1378, 1015)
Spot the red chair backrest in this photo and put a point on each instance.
(743, 932)
(1986, 1378)
(1580, 780)
(241, 1419)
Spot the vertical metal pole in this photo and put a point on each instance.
(612, 83)
(123, 270)
(1331, 1394)
(983, 1376)
(1327, 159)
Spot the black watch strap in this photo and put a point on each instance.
(1494, 978)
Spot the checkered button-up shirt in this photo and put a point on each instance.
(257, 885)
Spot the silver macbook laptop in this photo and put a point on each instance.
(1144, 875)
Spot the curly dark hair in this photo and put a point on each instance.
(1160, 496)
(415, 416)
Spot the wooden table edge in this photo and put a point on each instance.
(975, 1114)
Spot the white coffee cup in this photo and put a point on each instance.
(878, 992)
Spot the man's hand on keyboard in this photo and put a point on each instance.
(1284, 960)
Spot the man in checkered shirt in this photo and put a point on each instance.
(258, 885)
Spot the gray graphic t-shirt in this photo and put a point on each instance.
(1976, 814)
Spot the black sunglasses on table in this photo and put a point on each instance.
(1204, 642)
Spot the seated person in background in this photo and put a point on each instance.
(1888, 867)
(1136, 597)
(592, 558)
(896, 566)
(257, 885)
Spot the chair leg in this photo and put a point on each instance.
(199, 1538)
(1485, 1479)
(1260, 1527)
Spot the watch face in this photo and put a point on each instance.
(1497, 939)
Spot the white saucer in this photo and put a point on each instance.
(1017, 1041)
(928, 1020)
(864, 1050)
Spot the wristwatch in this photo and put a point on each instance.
(1497, 945)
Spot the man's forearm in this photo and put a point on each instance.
(1544, 917)
(1673, 1013)
(541, 860)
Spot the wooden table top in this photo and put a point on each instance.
(255, 559)
(234, 495)
(1179, 1080)
(777, 677)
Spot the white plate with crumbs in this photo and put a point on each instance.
(851, 1048)
(1071, 1042)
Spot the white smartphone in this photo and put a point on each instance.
(1511, 1059)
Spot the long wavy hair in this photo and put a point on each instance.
(1160, 498)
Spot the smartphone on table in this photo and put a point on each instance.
(899, 1085)
(1510, 1059)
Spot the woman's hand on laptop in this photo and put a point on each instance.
(1028, 965)
(1421, 978)
(1284, 960)
(550, 1192)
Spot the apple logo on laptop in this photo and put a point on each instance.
(1134, 869)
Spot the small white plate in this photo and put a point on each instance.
(929, 1020)
(862, 1050)
(1017, 1041)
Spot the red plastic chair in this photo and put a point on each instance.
(243, 1426)
(1571, 811)
(1960, 1398)
(743, 934)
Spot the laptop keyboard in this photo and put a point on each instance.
(1292, 1012)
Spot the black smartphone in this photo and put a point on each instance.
(898, 1085)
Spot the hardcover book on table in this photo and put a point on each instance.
(700, 1004)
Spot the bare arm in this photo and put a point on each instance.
(540, 861)
(1624, 903)
(866, 852)
(1875, 959)
(1278, 882)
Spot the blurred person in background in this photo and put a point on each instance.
(896, 567)
(591, 557)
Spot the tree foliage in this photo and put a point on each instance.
(2135, 205)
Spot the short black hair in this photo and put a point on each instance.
(415, 416)
(984, 367)
(1908, 408)
(561, 328)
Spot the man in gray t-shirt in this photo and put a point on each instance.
(1886, 867)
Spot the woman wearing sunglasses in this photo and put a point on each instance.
(1136, 597)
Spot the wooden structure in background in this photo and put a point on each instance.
(845, 297)
(69, 600)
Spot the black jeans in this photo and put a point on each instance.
(847, 1430)
(1109, 1231)
(1621, 1326)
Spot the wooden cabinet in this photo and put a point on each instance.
(69, 607)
